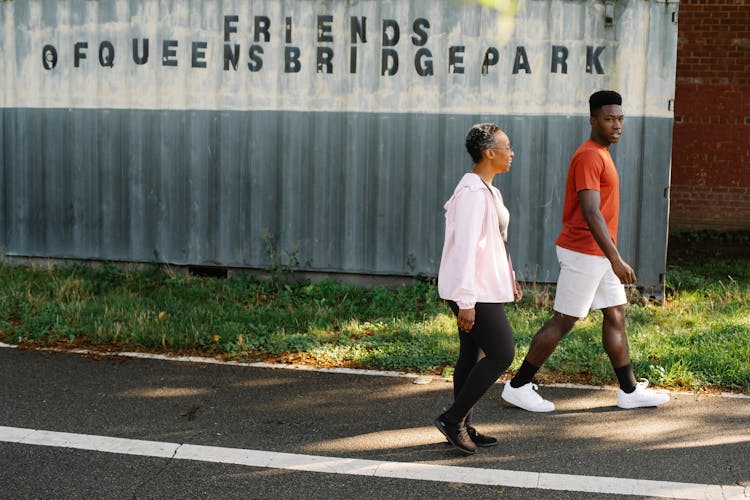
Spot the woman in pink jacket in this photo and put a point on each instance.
(476, 278)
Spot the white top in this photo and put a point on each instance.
(475, 266)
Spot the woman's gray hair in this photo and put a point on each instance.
(480, 138)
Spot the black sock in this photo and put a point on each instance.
(524, 375)
(626, 378)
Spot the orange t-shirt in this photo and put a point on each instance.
(590, 168)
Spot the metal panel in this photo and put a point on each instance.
(194, 165)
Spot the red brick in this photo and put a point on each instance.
(711, 137)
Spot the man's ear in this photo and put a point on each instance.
(592, 120)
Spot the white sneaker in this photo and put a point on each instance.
(526, 397)
(641, 397)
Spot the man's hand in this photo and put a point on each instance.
(623, 271)
(465, 319)
(517, 292)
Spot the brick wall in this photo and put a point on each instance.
(711, 147)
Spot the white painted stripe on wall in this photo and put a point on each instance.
(82, 73)
(374, 468)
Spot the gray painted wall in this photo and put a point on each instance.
(351, 192)
(348, 171)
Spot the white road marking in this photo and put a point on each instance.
(374, 468)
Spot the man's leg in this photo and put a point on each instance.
(520, 391)
(577, 285)
(546, 339)
(615, 343)
(542, 346)
(632, 394)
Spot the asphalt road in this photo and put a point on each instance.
(694, 439)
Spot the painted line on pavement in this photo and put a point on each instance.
(418, 379)
(214, 361)
(373, 468)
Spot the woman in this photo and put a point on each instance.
(476, 278)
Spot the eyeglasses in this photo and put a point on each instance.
(507, 150)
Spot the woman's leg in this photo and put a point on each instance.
(493, 335)
(467, 356)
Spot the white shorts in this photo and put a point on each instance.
(586, 282)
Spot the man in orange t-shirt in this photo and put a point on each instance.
(592, 272)
(591, 168)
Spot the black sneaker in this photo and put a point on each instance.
(456, 435)
(480, 439)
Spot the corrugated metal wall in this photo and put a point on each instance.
(185, 164)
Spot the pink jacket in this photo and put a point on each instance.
(475, 266)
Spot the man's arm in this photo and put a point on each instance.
(590, 201)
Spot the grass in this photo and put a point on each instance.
(698, 340)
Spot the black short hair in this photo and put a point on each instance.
(480, 138)
(603, 98)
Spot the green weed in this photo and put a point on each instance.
(698, 339)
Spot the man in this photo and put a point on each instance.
(592, 272)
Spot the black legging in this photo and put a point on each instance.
(474, 374)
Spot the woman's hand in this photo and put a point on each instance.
(465, 319)
(518, 292)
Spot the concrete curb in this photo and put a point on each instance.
(417, 378)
